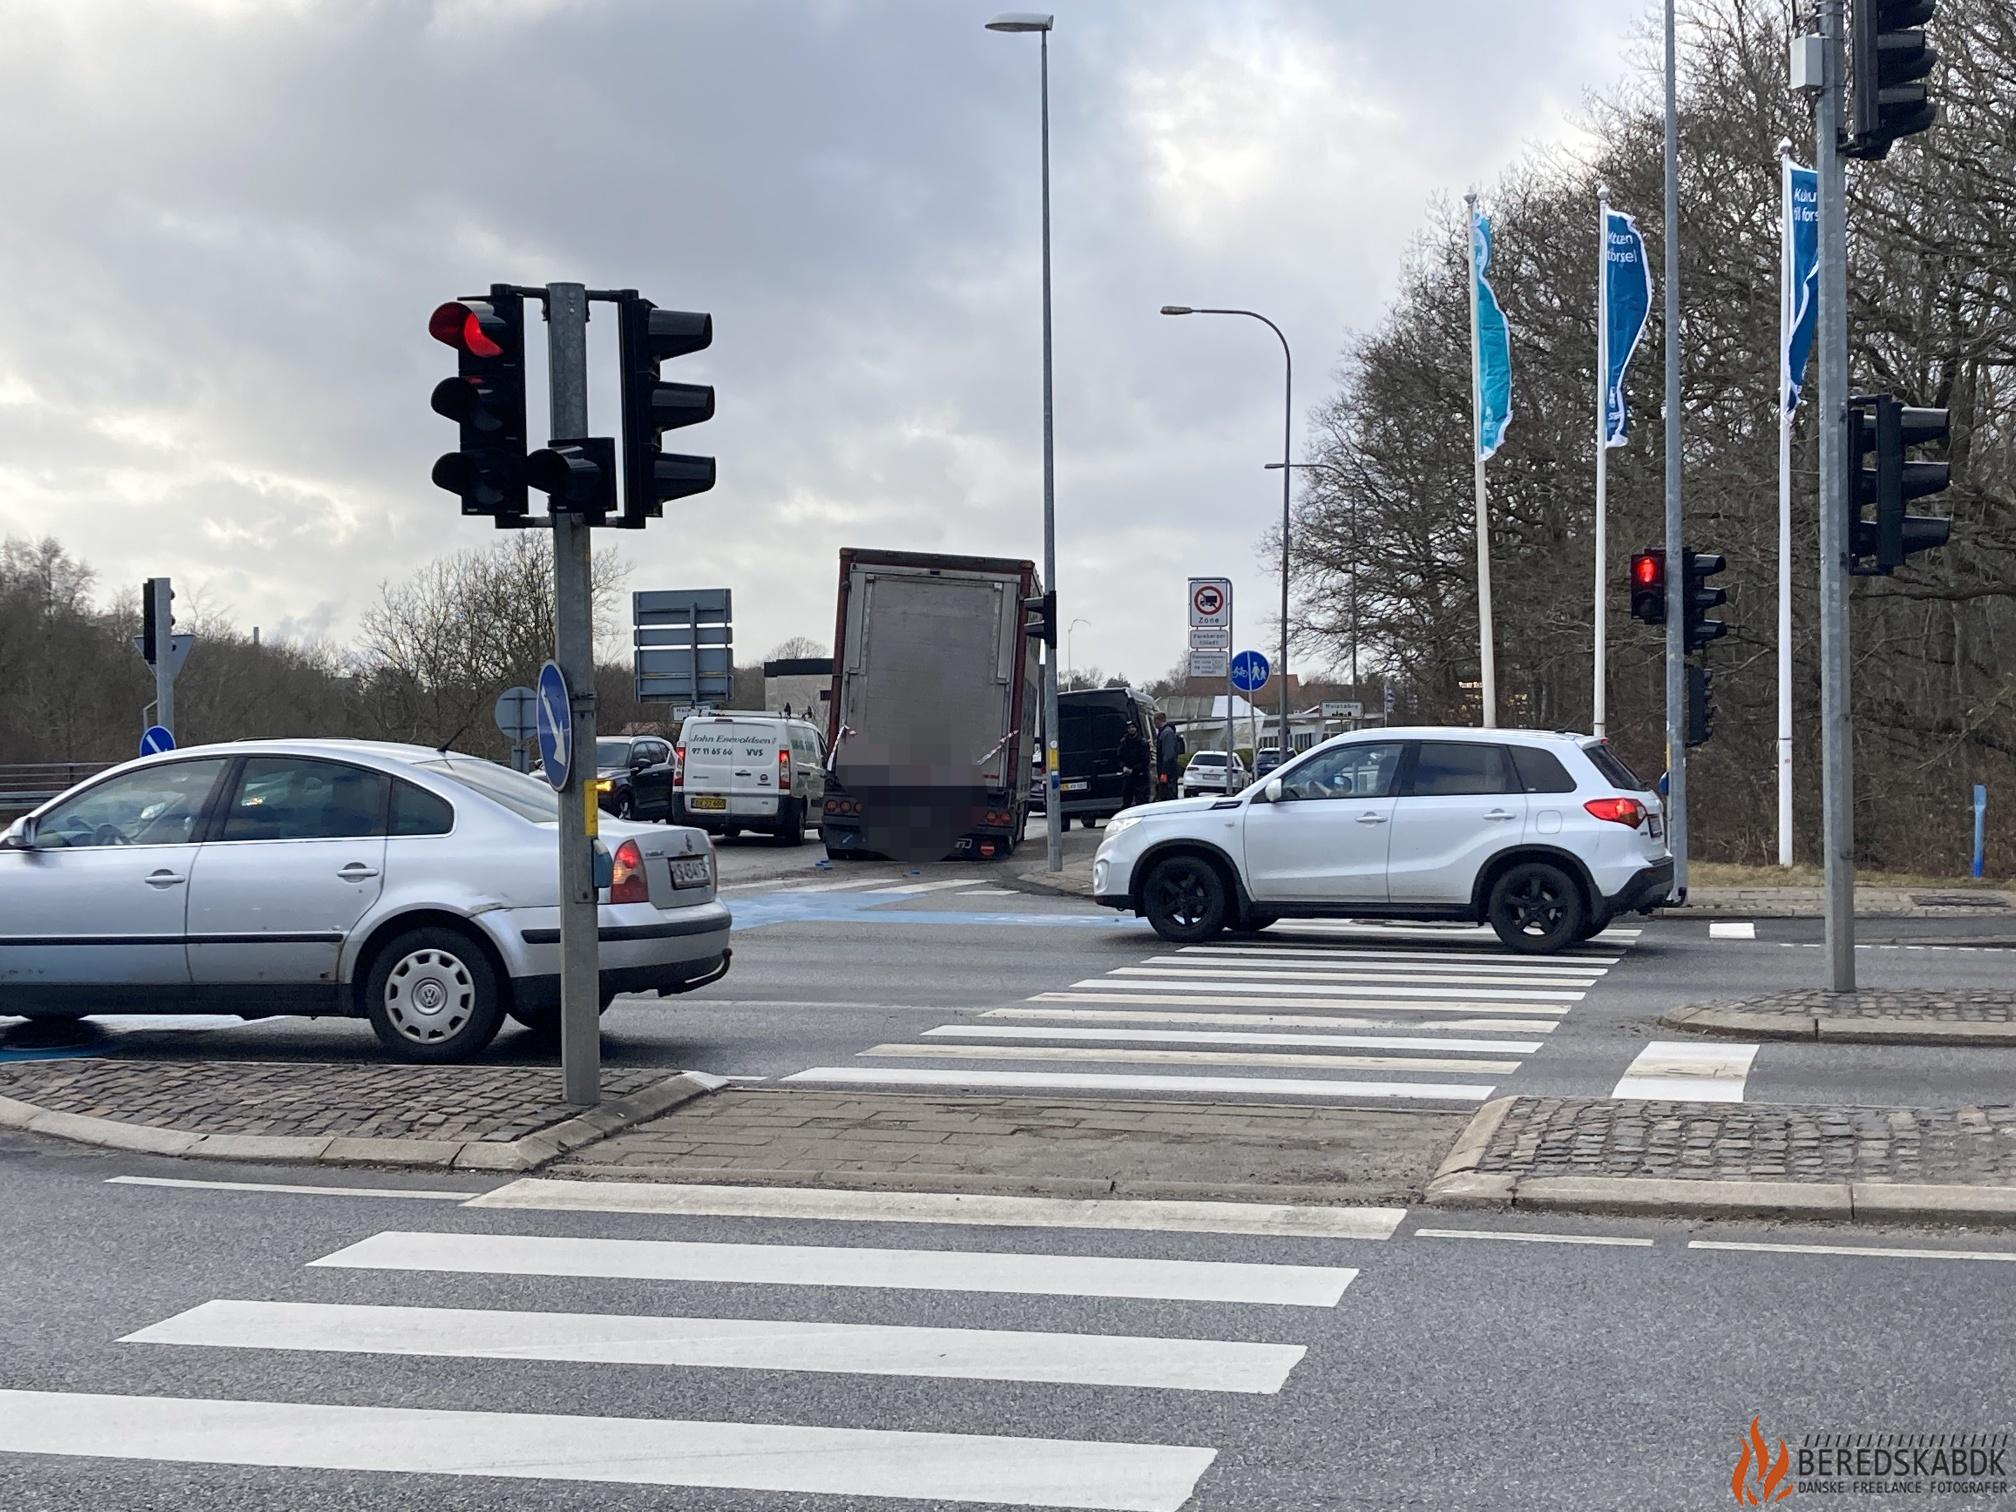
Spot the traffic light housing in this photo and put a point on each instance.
(1044, 625)
(486, 399)
(647, 337)
(1697, 598)
(1700, 704)
(1888, 59)
(579, 476)
(1648, 586)
(1886, 426)
(157, 600)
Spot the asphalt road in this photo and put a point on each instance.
(1617, 1367)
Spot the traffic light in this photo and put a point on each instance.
(1700, 704)
(1044, 625)
(579, 476)
(648, 336)
(1648, 586)
(157, 614)
(1697, 598)
(486, 398)
(1883, 424)
(1888, 59)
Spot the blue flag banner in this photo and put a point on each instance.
(1800, 289)
(1494, 349)
(1627, 303)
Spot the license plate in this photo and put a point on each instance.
(704, 802)
(1077, 787)
(1655, 826)
(691, 872)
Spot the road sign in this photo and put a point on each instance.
(155, 741)
(679, 606)
(555, 726)
(515, 720)
(1210, 663)
(1343, 708)
(1211, 601)
(1210, 638)
(1249, 671)
(683, 644)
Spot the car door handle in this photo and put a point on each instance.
(165, 879)
(1371, 818)
(357, 871)
(1501, 814)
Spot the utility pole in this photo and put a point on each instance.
(1837, 777)
(166, 662)
(1676, 579)
(574, 652)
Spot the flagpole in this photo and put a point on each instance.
(1602, 438)
(1784, 503)
(1486, 657)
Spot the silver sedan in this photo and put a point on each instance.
(413, 887)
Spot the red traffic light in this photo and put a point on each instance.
(460, 324)
(1645, 569)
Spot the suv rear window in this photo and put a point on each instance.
(1610, 767)
(1540, 771)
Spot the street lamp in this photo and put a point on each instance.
(1070, 657)
(1287, 433)
(1029, 21)
(1326, 467)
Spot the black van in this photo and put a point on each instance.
(1090, 725)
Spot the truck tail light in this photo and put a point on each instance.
(627, 883)
(679, 766)
(1626, 811)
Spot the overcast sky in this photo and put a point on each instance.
(226, 221)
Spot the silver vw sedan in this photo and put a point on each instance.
(398, 883)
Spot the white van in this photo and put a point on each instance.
(734, 771)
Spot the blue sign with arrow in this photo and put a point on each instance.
(1249, 671)
(555, 726)
(155, 741)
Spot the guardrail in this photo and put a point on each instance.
(31, 784)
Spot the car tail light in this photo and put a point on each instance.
(626, 875)
(1625, 811)
(783, 767)
(679, 766)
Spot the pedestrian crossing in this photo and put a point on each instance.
(747, 1303)
(1335, 1009)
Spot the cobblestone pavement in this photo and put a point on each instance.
(1899, 1015)
(486, 1103)
(1572, 1136)
(1347, 1152)
(1920, 1004)
(1870, 903)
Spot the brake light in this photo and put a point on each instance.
(627, 883)
(783, 766)
(679, 766)
(1626, 811)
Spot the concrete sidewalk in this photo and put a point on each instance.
(1896, 1016)
(1755, 1160)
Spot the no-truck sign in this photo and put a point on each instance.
(1210, 601)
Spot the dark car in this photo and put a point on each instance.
(1092, 725)
(1265, 760)
(638, 771)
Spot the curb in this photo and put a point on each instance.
(1039, 882)
(1714, 1019)
(526, 1154)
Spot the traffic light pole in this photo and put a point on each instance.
(574, 651)
(1837, 778)
(1676, 575)
(166, 662)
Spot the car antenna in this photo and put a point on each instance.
(442, 748)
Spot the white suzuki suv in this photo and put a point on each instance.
(1546, 837)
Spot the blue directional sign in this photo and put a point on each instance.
(155, 741)
(1249, 671)
(556, 726)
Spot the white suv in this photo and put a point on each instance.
(1546, 837)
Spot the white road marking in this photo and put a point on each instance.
(1143, 1055)
(1197, 997)
(1740, 931)
(971, 1354)
(1314, 957)
(1177, 966)
(288, 1188)
(822, 1265)
(1287, 1020)
(1669, 1069)
(990, 892)
(816, 887)
(1435, 1233)
(1219, 1037)
(1373, 929)
(929, 887)
(850, 1462)
(1273, 1086)
(543, 1194)
(1853, 1249)
(1164, 979)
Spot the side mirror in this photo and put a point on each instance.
(1272, 792)
(20, 834)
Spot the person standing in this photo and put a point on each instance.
(1168, 757)
(1135, 758)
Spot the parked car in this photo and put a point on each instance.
(1545, 837)
(636, 771)
(406, 885)
(765, 772)
(1265, 760)
(1206, 774)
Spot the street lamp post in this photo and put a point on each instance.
(1326, 467)
(1287, 437)
(1070, 656)
(1029, 21)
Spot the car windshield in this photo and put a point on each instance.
(527, 797)
(611, 753)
